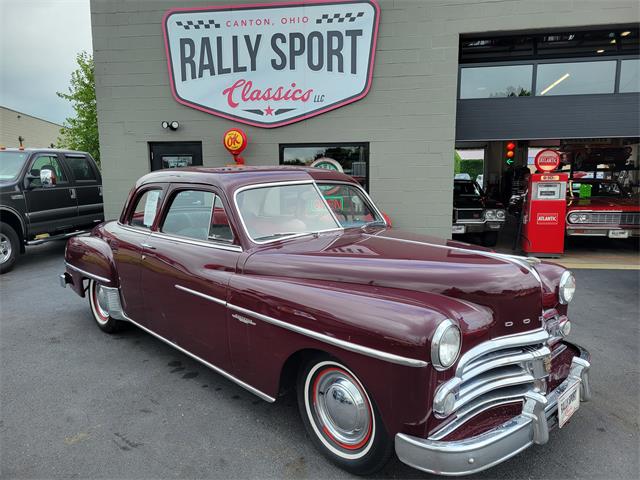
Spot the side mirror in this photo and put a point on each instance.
(47, 178)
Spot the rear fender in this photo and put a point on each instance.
(89, 258)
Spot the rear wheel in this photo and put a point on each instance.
(98, 303)
(341, 418)
(9, 247)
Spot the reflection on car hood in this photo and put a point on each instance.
(604, 203)
(401, 260)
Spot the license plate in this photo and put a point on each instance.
(568, 403)
(618, 233)
(457, 229)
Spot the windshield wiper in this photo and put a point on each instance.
(284, 234)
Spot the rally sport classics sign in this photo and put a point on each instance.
(271, 64)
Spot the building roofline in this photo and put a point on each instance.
(32, 116)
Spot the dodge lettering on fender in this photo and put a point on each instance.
(452, 355)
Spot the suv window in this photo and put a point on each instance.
(47, 162)
(146, 209)
(81, 168)
(199, 215)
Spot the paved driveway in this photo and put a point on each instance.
(78, 403)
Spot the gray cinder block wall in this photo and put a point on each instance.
(408, 117)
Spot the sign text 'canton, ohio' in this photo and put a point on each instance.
(270, 65)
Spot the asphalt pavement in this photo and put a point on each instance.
(77, 403)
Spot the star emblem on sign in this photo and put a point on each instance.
(268, 110)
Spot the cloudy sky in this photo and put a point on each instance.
(39, 40)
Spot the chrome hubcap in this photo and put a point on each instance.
(342, 408)
(5, 248)
(101, 303)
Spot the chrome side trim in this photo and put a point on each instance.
(218, 370)
(282, 183)
(352, 347)
(88, 274)
(202, 295)
(192, 241)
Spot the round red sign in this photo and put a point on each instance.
(235, 140)
(547, 160)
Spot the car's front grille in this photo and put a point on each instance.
(469, 214)
(495, 372)
(615, 218)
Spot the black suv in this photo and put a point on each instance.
(474, 213)
(45, 194)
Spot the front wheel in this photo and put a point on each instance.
(9, 247)
(341, 418)
(98, 303)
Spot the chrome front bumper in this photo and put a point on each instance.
(470, 455)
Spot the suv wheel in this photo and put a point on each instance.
(9, 247)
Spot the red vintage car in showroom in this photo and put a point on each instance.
(601, 208)
(452, 355)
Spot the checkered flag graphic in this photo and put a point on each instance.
(197, 25)
(339, 18)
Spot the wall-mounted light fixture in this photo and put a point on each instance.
(172, 125)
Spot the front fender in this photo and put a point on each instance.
(90, 257)
(399, 322)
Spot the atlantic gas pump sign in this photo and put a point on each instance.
(271, 64)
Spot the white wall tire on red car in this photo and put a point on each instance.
(99, 310)
(341, 418)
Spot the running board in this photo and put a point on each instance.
(62, 236)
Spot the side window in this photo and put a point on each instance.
(47, 162)
(146, 209)
(220, 229)
(199, 215)
(81, 168)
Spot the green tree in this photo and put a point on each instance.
(81, 131)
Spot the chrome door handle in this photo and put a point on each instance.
(72, 191)
(146, 245)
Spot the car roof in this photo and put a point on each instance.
(41, 150)
(233, 177)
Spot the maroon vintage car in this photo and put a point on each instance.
(453, 356)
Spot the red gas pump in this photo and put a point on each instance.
(543, 223)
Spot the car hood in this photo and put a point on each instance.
(401, 260)
(604, 203)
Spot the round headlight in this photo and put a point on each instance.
(490, 214)
(445, 345)
(500, 214)
(567, 287)
(578, 218)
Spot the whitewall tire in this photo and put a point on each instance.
(341, 418)
(97, 302)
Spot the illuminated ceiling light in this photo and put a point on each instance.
(600, 50)
(561, 79)
(625, 33)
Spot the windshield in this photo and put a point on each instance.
(596, 189)
(10, 165)
(286, 210)
(466, 189)
(349, 204)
